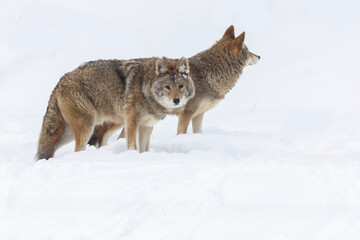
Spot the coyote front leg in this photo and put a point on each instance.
(131, 127)
(144, 138)
(184, 120)
(197, 123)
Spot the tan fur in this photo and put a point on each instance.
(215, 72)
(111, 93)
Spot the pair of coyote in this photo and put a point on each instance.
(99, 97)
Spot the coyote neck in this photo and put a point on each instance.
(218, 74)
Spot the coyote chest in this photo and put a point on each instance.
(205, 105)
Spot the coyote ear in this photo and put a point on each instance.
(160, 67)
(229, 33)
(184, 66)
(238, 44)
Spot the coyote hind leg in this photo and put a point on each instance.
(110, 129)
(82, 131)
(80, 115)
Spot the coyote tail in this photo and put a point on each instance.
(52, 130)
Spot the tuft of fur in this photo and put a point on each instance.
(113, 93)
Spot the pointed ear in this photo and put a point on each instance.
(160, 67)
(229, 33)
(184, 66)
(238, 44)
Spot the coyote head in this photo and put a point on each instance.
(236, 48)
(173, 86)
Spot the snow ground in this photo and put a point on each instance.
(279, 157)
(217, 185)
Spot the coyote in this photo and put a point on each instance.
(134, 93)
(215, 72)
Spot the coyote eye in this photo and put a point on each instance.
(181, 86)
(167, 87)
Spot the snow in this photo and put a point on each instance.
(279, 158)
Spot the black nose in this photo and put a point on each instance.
(176, 100)
(259, 57)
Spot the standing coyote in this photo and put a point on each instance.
(215, 72)
(135, 93)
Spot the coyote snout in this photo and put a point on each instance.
(252, 59)
(175, 93)
(176, 100)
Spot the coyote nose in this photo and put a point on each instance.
(259, 57)
(176, 100)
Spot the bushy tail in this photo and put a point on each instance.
(52, 130)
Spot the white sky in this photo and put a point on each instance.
(310, 49)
